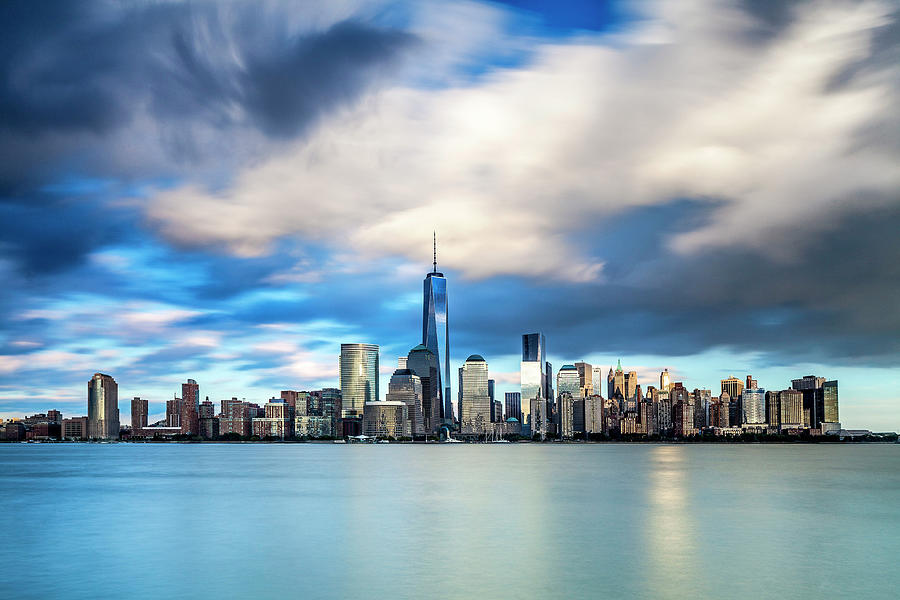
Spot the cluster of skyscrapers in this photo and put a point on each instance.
(418, 400)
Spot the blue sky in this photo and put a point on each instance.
(228, 192)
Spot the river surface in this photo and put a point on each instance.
(449, 521)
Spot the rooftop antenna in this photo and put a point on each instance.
(435, 252)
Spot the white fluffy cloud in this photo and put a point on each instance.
(514, 169)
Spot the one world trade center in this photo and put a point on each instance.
(435, 332)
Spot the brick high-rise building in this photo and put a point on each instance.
(139, 412)
(190, 408)
(173, 412)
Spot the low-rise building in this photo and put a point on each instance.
(386, 419)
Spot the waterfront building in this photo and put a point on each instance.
(235, 418)
(578, 417)
(513, 406)
(534, 380)
(173, 412)
(139, 412)
(568, 381)
(74, 428)
(585, 379)
(103, 407)
(190, 408)
(682, 410)
(830, 401)
(386, 419)
(277, 422)
(648, 417)
(436, 333)
(791, 409)
(734, 387)
(405, 386)
(424, 364)
(773, 410)
(475, 403)
(358, 375)
(208, 422)
(753, 406)
(612, 417)
(497, 411)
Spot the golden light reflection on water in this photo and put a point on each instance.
(672, 552)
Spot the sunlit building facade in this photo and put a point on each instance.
(753, 407)
(405, 386)
(534, 384)
(475, 400)
(103, 407)
(358, 373)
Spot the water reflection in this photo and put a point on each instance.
(670, 527)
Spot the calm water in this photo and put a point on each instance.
(461, 521)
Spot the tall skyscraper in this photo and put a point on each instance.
(615, 382)
(358, 374)
(436, 332)
(139, 411)
(190, 408)
(568, 381)
(830, 400)
(733, 386)
(533, 375)
(585, 377)
(173, 412)
(753, 406)
(103, 407)
(423, 363)
(630, 384)
(475, 403)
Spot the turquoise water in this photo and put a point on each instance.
(449, 521)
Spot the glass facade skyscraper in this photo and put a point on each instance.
(358, 371)
(436, 334)
(475, 401)
(103, 407)
(533, 381)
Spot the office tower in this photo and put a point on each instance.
(791, 406)
(753, 406)
(190, 408)
(538, 417)
(702, 398)
(405, 386)
(173, 412)
(423, 363)
(475, 403)
(496, 411)
(533, 376)
(358, 376)
(812, 389)
(615, 382)
(276, 422)
(401, 362)
(139, 412)
(593, 414)
(54, 416)
(566, 407)
(630, 384)
(585, 378)
(568, 381)
(733, 386)
(513, 406)
(665, 381)
(751, 383)
(74, 428)
(830, 401)
(647, 416)
(387, 419)
(103, 407)
(773, 410)
(436, 333)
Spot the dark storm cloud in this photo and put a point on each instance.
(838, 301)
(74, 72)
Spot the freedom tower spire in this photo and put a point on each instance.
(436, 333)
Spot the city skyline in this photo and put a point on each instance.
(714, 195)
